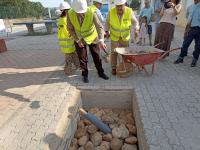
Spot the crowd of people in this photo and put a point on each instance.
(81, 26)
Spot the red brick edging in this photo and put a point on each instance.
(3, 47)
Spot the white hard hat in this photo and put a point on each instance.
(99, 1)
(79, 6)
(120, 2)
(64, 5)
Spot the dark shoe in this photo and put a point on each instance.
(194, 63)
(85, 79)
(179, 60)
(102, 75)
(114, 72)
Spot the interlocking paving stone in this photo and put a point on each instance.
(169, 100)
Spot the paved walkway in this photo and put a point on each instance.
(35, 92)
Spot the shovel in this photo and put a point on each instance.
(106, 56)
(98, 123)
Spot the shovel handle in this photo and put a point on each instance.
(159, 44)
(82, 111)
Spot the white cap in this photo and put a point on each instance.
(99, 1)
(120, 2)
(79, 6)
(64, 5)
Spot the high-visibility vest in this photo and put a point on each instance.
(87, 30)
(120, 28)
(65, 41)
(93, 8)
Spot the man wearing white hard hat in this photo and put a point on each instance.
(66, 42)
(87, 30)
(97, 4)
(118, 28)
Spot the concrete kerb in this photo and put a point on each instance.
(66, 127)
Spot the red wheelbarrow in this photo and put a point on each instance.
(142, 55)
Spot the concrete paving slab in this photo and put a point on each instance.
(168, 101)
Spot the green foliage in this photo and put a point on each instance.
(20, 9)
(135, 4)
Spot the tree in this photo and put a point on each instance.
(135, 4)
(20, 9)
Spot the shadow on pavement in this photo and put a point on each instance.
(34, 104)
(52, 141)
(13, 95)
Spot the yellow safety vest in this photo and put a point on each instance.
(65, 41)
(93, 8)
(87, 30)
(120, 28)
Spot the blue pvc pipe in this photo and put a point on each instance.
(98, 123)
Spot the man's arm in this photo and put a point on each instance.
(141, 14)
(107, 25)
(71, 30)
(99, 27)
(134, 21)
(99, 14)
(187, 12)
(152, 19)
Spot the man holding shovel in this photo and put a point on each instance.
(118, 28)
(87, 30)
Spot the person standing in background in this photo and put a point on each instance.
(66, 42)
(189, 12)
(148, 12)
(193, 34)
(143, 31)
(97, 4)
(165, 30)
(157, 8)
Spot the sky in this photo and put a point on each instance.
(49, 3)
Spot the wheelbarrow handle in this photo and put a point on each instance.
(165, 53)
(159, 44)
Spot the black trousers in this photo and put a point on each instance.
(82, 54)
(193, 34)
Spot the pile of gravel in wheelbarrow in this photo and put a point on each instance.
(123, 137)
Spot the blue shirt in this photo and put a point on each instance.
(189, 12)
(148, 12)
(158, 5)
(196, 16)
